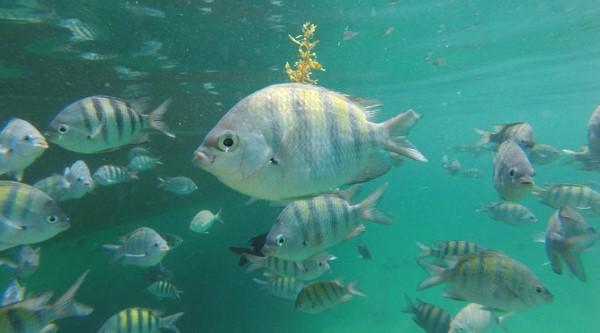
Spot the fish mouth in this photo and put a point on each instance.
(41, 144)
(202, 159)
(527, 182)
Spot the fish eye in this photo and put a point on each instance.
(52, 219)
(539, 289)
(155, 244)
(512, 172)
(62, 129)
(280, 240)
(227, 142)
(27, 137)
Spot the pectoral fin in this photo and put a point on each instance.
(5, 222)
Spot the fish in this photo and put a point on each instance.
(567, 235)
(26, 16)
(453, 166)
(433, 319)
(308, 269)
(149, 48)
(323, 295)
(475, 318)
(281, 286)
(25, 262)
(472, 173)
(139, 10)
(542, 154)
(307, 227)
(593, 133)
(20, 145)
(139, 320)
(165, 289)
(74, 183)
(138, 151)
(142, 247)
(100, 123)
(204, 220)
(570, 195)
(13, 294)
(256, 242)
(107, 175)
(178, 185)
(363, 251)
(28, 215)
(489, 278)
(94, 56)
(513, 174)
(80, 31)
(56, 186)
(35, 315)
(520, 132)
(509, 213)
(143, 163)
(449, 249)
(290, 141)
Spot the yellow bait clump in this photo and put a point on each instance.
(308, 59)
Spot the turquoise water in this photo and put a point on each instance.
(462, 64)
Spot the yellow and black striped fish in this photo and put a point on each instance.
(164, 289)
(281, 286)
(431, 318)
(320, 296)
(449, 249)
(569, 195)
(509, 213)
(308, 269)
(100, 123)
(139, 320)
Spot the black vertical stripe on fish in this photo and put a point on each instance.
(345, 216)
(274, 118)
(303, 128)
(326, 292)
(102, 119)
(10, 201)
(87, 122)
(128, 327)
(29, 203)
(317, 295)
(481, 271)
(285, 265)
(133, 120)
(332, 128)
(333, 215)
(299, 220)
(118, 111)
(317, 225)
(455, 249)
(354, 132)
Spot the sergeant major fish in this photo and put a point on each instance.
(178, 185)
(107, 175)
(570, 195)
(308, 269)
(140, 320)
(543, 154)
(520, 132)
(513, 174)
(297, 140)
(449, 249)
(13, 294)
(323, 295)
(509, 213)
(20, 145)
(143, 163)
(99, 123)
(431, 318)
(307, 227)
(142, 247)
(281, 286)
(74, 183)
(165, 289)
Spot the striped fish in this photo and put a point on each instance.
(570, 195)
(431, 318)
(164, 289)
(143, 247)
(322, 295)
(35, 315)
(308, 269)
(491, 279)
(28, 215)
(139, 320)
(281, 286)
(296, 140)
(449, 249)
(20, 145)
(80, 31)
(307, 227)
(522, 133)
(74, 183)
(143, 163)
(99, 123)
(509, 212)
(513, 174)
(108, 175)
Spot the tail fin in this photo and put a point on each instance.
(218, 216)
(350, 193)
(572, 254)
(436, 275)
(169, 322)
(50, 328)
(485, 137)
(178, 293)
(425, 251)
(161, 182)
(116, 250)
(256, 262)
(156, 116)
(368, 208)
(410, 305)
(66, 306)
(396, 130)
(352, 288)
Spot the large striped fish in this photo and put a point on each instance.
(491, 279)
(20, 145)
(570, 195)
(28, 215)
(322, 295)
(296, 140)
(99, 123)
(139, 320)
(431, 318)
(307, 227)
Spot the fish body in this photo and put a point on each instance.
(296, 140)
(139, 320)
(363, 251)
(431, 318)
(80, 31)
(449, 249)
(164, 289)
(491, 279)
(138, 151)
(204, 220)
(308, 269)
(56, 186)
(593, 134)
(143, 163)
(475, 318)
(513, 174)
(520, 132)
(28, 215)
(570, 195)
(567, 235)
(453, 166)
(307, 227)
(509, 213)
(178, 185)
(281, 286)
(100, 123)
(20, 145)
(80, 180)
(13, 294)
(323, 295)
(108, 175)
(142, 247)
(543, 154)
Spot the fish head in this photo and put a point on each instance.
(525, 136)
(284, 240)
(157, 246)
(29, 258)
(20, 138)
(529, 217)
(67, 129)
(538, 294)
(513, 173)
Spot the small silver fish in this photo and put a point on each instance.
(20, 145)
(364, 251)
(80, 31)
(522, 133)
(323, 295)
(509, 213)
(24, 263)
(139, 10)
(567, 235)
(204, 220)
(80, 180)
(472, 173)
(177, 185)
(143, 163)
(543, 154)
(513, 174)
(281, 286)
(433, 319)
(475, 318)
(165, 289)
(143, 247)
(308, 269)
(138, 151)
(13, 294)
(108, 175)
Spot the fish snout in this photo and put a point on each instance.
(201, 158)
(527, 181)
(41, 144)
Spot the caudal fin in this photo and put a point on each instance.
(352, 288)
(368, 207)
(572, 254)
(116, 250)
(396, 132)
(425, 251)
(256, 262)
(485, 137)
(155, 118)
(169, 322)
(436, 275)
(66, 306)
(410, 305)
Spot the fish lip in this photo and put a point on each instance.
(528, 182)
(202, 159)
(41, 144)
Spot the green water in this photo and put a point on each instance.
(462, 64)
